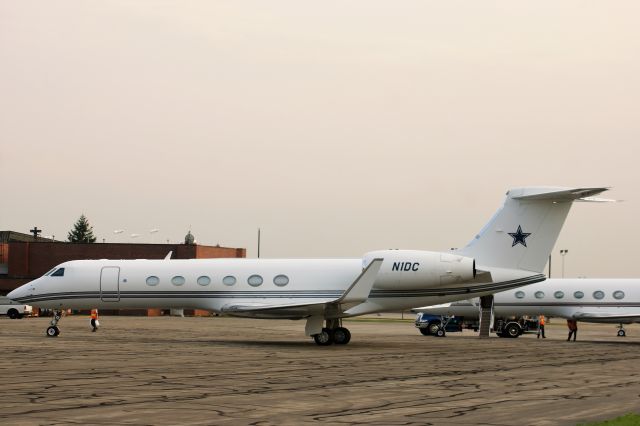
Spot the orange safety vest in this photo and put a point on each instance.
(541, 320)
(94, 314)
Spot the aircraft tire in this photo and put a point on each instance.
(324, 338)
(512, 331)
(433, 327)
(341, 336)
(53, 331)
(440, 332)
(622, 333)
(425, 331)
(12, 313)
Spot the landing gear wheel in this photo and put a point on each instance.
(12, 314)
(440, 332)
(323, 338)
(622, 333)
(433, 327)
(425, 331)
(341, 336)
(53, 331)
(512, 331)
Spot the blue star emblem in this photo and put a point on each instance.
(519, 237)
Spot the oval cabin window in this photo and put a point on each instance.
(177, 280)
(153, 280)
(520, 294)
(255, 280)
(598, 294)
(619, 294)
(204, 280)
(539, 294)
(229, 280)
(558, 295)
(578, 295)
(281, 280)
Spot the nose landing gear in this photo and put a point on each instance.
(53, 330)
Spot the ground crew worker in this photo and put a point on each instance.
(94, 320)
(541, 326)
(573, 329)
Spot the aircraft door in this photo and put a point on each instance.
(110, 284)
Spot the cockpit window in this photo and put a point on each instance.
(58, 273)
(49, 272)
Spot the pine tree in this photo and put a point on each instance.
(82, 232)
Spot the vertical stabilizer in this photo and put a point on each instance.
(522, 233)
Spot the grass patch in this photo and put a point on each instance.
(626, 420)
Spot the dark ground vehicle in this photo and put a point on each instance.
(515, 327)
(435, 325)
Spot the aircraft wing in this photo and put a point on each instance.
(293, 310)
(606, 317)
(355, 294)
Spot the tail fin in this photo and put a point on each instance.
(522, 233)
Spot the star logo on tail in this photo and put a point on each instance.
(519, 237)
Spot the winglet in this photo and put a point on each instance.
(168, 256)
(361, 287)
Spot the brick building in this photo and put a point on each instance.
(24, 257)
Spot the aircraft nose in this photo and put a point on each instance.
(18, 293)
(14, 294)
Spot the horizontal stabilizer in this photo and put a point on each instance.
(555, 194)
(597, 200)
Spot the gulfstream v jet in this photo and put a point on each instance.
(510, 251)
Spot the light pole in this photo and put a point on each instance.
(563, 253)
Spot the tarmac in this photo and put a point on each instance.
(217, 370)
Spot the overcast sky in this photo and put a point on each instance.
(337, 127)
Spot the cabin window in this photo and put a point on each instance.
(539, 294)
(520, 294)
(281, 280)
(229, 280)
(58, 273)
(618, 294)
(153, 280)
(255, 280)
(578, 295)
(204, 280)
(177, 280)
(598, 294)
(558, 295)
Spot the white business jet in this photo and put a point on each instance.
(510, 251)
(614, 301)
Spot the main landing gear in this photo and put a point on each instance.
(333, 333)
(621, 331)
(53, 330)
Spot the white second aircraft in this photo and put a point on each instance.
(597, 300)
(510, 251)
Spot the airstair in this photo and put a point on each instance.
(486, 315)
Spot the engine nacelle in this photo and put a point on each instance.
(414, 269)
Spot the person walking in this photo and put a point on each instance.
(541, 322)
(94, 320)
(573, 329)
